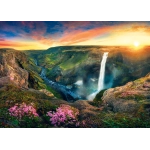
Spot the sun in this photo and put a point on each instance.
(136, 44)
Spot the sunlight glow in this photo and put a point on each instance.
(136, 44)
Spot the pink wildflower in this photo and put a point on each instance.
(65, 114)
(23, 110)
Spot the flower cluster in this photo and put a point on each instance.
(23, 110)
(64, 115)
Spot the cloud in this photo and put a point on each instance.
(80, 36)
(65, 32)
(73, 32)
(10, 44)
(20, 45)
(84, 25)
(2, 39)
(74, 25)
(135, 27)
(29, 24)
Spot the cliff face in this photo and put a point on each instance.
(11, 69)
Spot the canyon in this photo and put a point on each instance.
(69, 74)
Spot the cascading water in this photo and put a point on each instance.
(101, 77)
(102, 72)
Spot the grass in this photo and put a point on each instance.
(120, 120)
(74, 60)
(11, 95)
(64, 59)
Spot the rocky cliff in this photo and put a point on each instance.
(11, 69)
(17, 69)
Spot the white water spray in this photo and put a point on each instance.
(101, 77)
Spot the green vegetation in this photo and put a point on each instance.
(97, 100)
(75, 59)
(35, 81)
(7, 121)
(56, 94)
(65, 60)
(120, 120)
(11, 95)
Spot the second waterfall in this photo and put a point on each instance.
(101, 77)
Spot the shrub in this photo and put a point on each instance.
(22, 110)
(65, 116)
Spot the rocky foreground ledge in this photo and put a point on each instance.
(130, 97)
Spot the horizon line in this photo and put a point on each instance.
(71, 46)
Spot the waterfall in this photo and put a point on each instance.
(101, 77)
(102, 72)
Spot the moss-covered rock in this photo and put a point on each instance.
(98, 99)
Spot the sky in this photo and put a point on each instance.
(26, 35)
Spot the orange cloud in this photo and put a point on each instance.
(22, 45)
(74, 32)
(67, 38)
(10, 43)
(80, 36)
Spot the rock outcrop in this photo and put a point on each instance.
(11, 69)
(130, 97)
